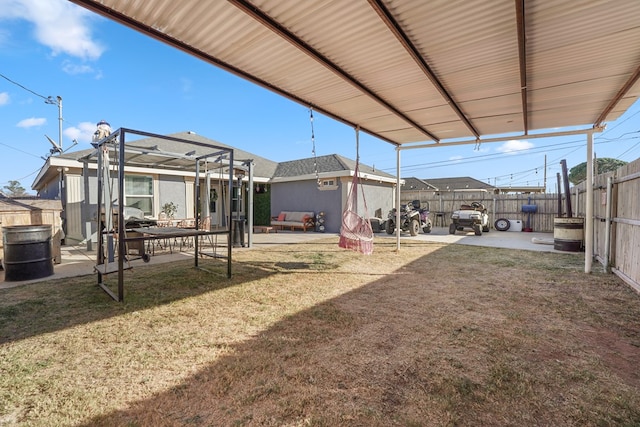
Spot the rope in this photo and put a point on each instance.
(313, 150)
(356, 232)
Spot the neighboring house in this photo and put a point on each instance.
(466, 183)
(322, 185)
(415, 184)
(147, 188)
(463, 188)
(291, 186)
(462, 183)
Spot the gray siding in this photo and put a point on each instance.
(172, 189)
(51, 191)
(305, 196)
(379, 198)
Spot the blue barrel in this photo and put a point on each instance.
(27, 252)
(529, 208)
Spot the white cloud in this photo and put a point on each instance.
(31, 122)
(4, 98)
(59, 24)
(71, 68)
(513, 146)
(82, 133)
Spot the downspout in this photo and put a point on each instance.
(588, 232)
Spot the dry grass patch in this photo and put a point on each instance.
(310, 334)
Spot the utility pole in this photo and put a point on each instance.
(59, 98)
(58, 102)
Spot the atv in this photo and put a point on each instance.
(412, 219)
(473, 216)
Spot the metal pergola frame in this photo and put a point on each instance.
(117, 140)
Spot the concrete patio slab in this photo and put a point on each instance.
(78, 261)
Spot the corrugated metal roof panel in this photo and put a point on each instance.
(353, 60)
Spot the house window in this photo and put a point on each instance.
(138, 192)
(237, 197)
(328, 184)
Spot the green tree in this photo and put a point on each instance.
(14, 189)
(578, 173)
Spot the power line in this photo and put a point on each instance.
(47, 99)
(22, 151)
(628, 150)
(495, 156)
(24, 87)
(26, 176)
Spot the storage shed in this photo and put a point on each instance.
(32, 211)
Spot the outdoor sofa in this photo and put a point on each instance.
(293, 220)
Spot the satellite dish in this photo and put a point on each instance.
(56, 147)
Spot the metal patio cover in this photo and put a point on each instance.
(409, 71)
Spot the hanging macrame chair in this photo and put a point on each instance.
(356, 233)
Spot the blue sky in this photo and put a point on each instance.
(103, 70)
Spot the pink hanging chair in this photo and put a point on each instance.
(356, 233)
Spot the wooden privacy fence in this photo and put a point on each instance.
(621, 244)
(509, 206)
(616, 247)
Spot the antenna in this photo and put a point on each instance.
(58, 149)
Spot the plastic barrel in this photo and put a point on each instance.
(27, 252)
(568, 234)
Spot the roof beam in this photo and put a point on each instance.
(404, 40)
(522, 54)
(121, 18)
(505, 138)
(621, 93)
(285, 34)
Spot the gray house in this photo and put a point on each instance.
(294, 185)
(147, 187)
(322, 185)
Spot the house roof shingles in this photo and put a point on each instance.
(325, 164)
(458, 183)
(416, 184)
(263, 168)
